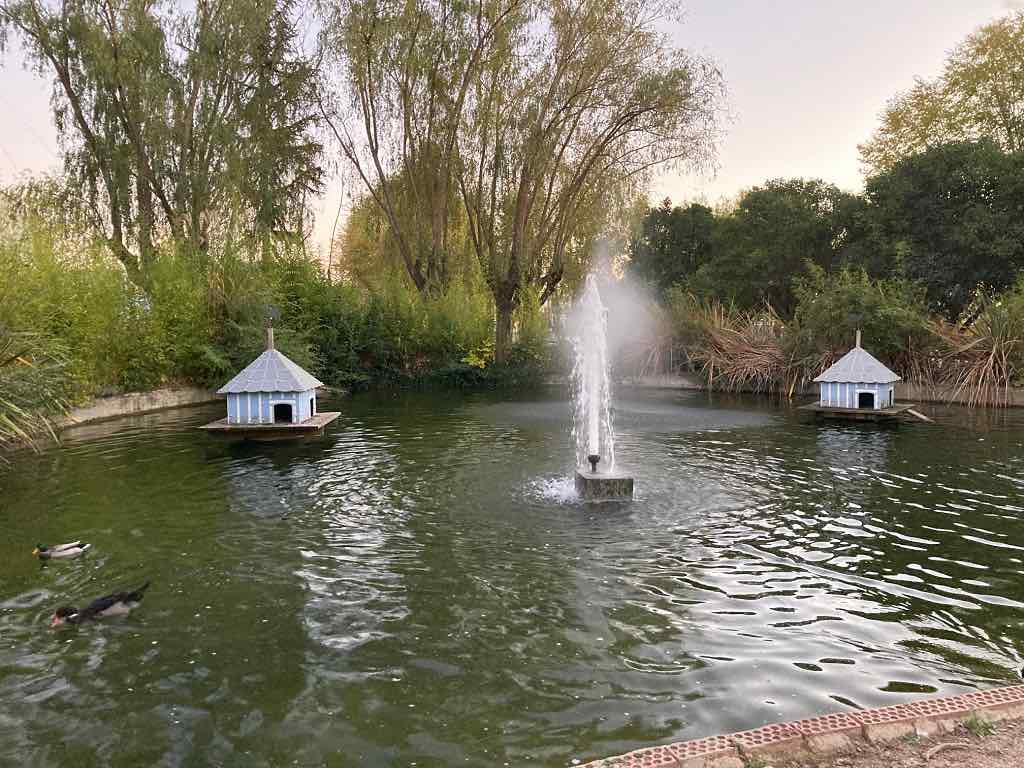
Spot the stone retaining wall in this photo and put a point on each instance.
(906, 392)
(105, 408)
(829, 733)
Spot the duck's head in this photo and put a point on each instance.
(63, 615)
(40, 550)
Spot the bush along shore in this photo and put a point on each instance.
(976, 362)
(73, 328)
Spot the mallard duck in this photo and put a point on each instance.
(71, 549)
(116, 604)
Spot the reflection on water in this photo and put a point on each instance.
(420, 586)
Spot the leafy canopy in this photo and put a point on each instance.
(191, 122)
(980, 94)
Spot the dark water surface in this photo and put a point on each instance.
(419, 588)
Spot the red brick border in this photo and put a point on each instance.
(828, 733)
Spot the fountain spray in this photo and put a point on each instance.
(593, 434)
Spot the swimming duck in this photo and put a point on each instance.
(71, 549)
(116, 604)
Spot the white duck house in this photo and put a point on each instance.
(271, 390)
(858, 381)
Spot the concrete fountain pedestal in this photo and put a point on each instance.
(603, 486)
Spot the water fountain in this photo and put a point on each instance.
(592, 398)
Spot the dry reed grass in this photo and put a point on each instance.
(752, 352)
(29, 391)
(981, 362)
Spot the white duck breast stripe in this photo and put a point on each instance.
(117, 609)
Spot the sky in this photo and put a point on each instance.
(806, 82)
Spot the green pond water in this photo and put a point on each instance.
(419, 587)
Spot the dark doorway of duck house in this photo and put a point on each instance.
(282, 413)
(866, 400)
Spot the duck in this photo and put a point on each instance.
(71, 549)
(115, 604)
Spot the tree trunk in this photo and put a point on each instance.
(503, 307)
(145, 215)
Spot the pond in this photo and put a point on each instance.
(419, 587)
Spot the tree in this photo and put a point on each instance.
(406, 71)
(832, 308)
(369, 256)
(952, 218)
(774, 232)
(980, 94)
(191, 124)
(672, 244)
(575, 103)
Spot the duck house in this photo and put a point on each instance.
(858, 387)
(273, 398)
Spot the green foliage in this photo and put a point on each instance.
(479, 358)
(775, 230)
(202, 319)
(978, 95)
(831, 308)
(983, 359)
(31, 386)
(979, 726)
(532, 346)
(672, 244)
(951, 219)
(192, 121)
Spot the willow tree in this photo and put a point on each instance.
(979, 94)
(405, 71)
(576, 104)
(189, 124)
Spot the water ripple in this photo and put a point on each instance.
(423, 585)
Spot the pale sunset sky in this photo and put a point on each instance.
(806, 81)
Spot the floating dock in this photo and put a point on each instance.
(891, 414)
(312, 427)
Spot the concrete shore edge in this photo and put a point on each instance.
(828, 734)
(907, 391)
(135, 403)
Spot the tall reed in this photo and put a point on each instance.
(31, 392)
(982, 361)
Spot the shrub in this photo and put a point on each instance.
(891, 314)
(980, 361)
(31, 387)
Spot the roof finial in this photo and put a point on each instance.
(858, 337)
(271, 313)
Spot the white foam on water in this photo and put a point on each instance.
(560, 490)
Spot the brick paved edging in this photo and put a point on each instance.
(828, 733)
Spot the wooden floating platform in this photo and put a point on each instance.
(860, 414)
(265, 432)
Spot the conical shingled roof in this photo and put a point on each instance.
(860, 367)
(271, 372)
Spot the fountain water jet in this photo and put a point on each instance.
(592, 399)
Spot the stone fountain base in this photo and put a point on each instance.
(603, 486)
